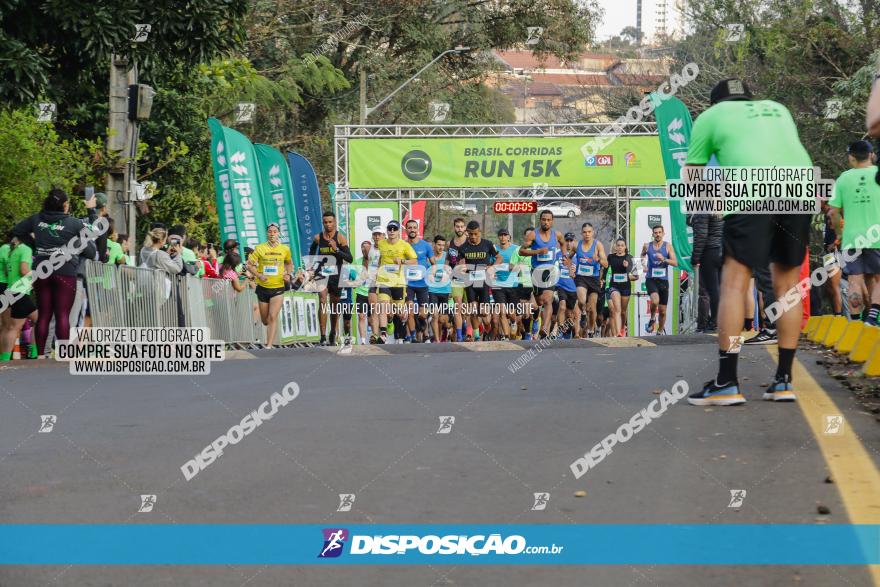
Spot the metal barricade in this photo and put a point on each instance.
(124, 296)
(231, 315)
(121, 296)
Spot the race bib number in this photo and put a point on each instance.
(658, 272)
(547, 256)
(270, 270)
(391, 268)
(586, 270)
(413, 274)
(478, 275)
(619, 278)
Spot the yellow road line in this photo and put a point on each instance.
(855, 475)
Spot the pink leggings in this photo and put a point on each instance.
(55, 297)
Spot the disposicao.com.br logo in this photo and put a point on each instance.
(494, 544)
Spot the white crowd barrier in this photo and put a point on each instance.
(125, 296)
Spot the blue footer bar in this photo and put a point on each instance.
(252, 544)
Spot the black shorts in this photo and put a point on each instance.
(362, 305)
(569, 297)
(397, 294)
(478, 295)
(506, 295)
(417, 294)
(867, 263)
(22, 308)
(545, 276)
(755, 240)
(333, 285)
(435, 300)
(264, 294)
(659, 286)
(625, 290)
(525, 294)
(591, 284)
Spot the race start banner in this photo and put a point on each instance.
(483, 162)
(279, 201)
(306, 200)
(674, 126)
(240, 184)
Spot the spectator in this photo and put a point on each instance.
(115, 253)
(23, 311)
(228, 270)
(707, 258)
(101, 241)
(211, 258)
(122, 239)
(53, 229)
(207, 258)
(5, 250)
(153, 256)
(190, 259)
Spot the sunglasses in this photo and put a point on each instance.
(393, 228)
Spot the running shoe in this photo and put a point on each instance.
(469, 338)
(323, 341)
(650, 326)
(383, 339)
(766, 336)
(346, 341)
(374, 339)
(780, 390)
(713, 394)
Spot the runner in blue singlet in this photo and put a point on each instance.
(542, 245)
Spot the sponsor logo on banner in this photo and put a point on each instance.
(334, 542)
(599, 161)
(630, 160)
(416, 165)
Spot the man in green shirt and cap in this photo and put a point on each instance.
(742, 132)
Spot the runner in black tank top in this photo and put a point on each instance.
(618, 279)
(331, 242)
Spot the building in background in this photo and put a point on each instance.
(545, 89)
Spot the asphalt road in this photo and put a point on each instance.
(366, 424)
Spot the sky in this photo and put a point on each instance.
(622, 13)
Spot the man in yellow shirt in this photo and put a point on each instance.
(272, 265)
(390, 281)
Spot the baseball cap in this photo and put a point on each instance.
(860, 148)
(100, 199)
(271, 224)
(393, 225)
(730, 89)
(569, 236)
(503, 231)
(379, 230)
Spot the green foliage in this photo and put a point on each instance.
(298, 60)
(36, 159)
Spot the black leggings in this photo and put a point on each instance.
(710, 279)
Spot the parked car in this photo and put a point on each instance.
(562, 209)
(464, 207)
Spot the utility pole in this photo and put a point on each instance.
(129, 104)
(120, 133)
